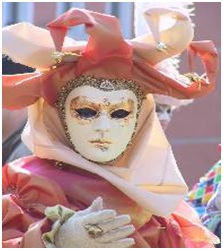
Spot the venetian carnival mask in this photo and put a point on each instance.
(100, 116)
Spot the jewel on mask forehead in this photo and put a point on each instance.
(106, 85)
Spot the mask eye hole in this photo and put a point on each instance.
(119, 114)
(86, 113)
(168, 110)
(158, 109)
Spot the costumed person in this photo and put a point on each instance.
(165, 105)
(212, 216)
(103, 173)
(205, 198)
(201, 193)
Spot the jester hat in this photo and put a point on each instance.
(106, 54)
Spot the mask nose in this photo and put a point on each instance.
(102, 123)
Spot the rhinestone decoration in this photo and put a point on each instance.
(161, 47)
(107, 85)
(193, 77)
(67, 56)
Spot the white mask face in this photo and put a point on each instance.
(164, 113)
(100, 124)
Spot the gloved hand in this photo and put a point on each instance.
(96, 205)
(95, 227)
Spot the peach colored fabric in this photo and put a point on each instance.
(147, 172)
(31, 184)
(126, 58)
(13, 84)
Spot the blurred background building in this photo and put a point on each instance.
(195, 130)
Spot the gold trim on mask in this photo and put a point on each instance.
(80, 103)
(110, 108)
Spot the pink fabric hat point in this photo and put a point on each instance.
(59, 59)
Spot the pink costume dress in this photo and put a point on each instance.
(31, 184)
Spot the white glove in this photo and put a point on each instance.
(113, 230)
(96, 205)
